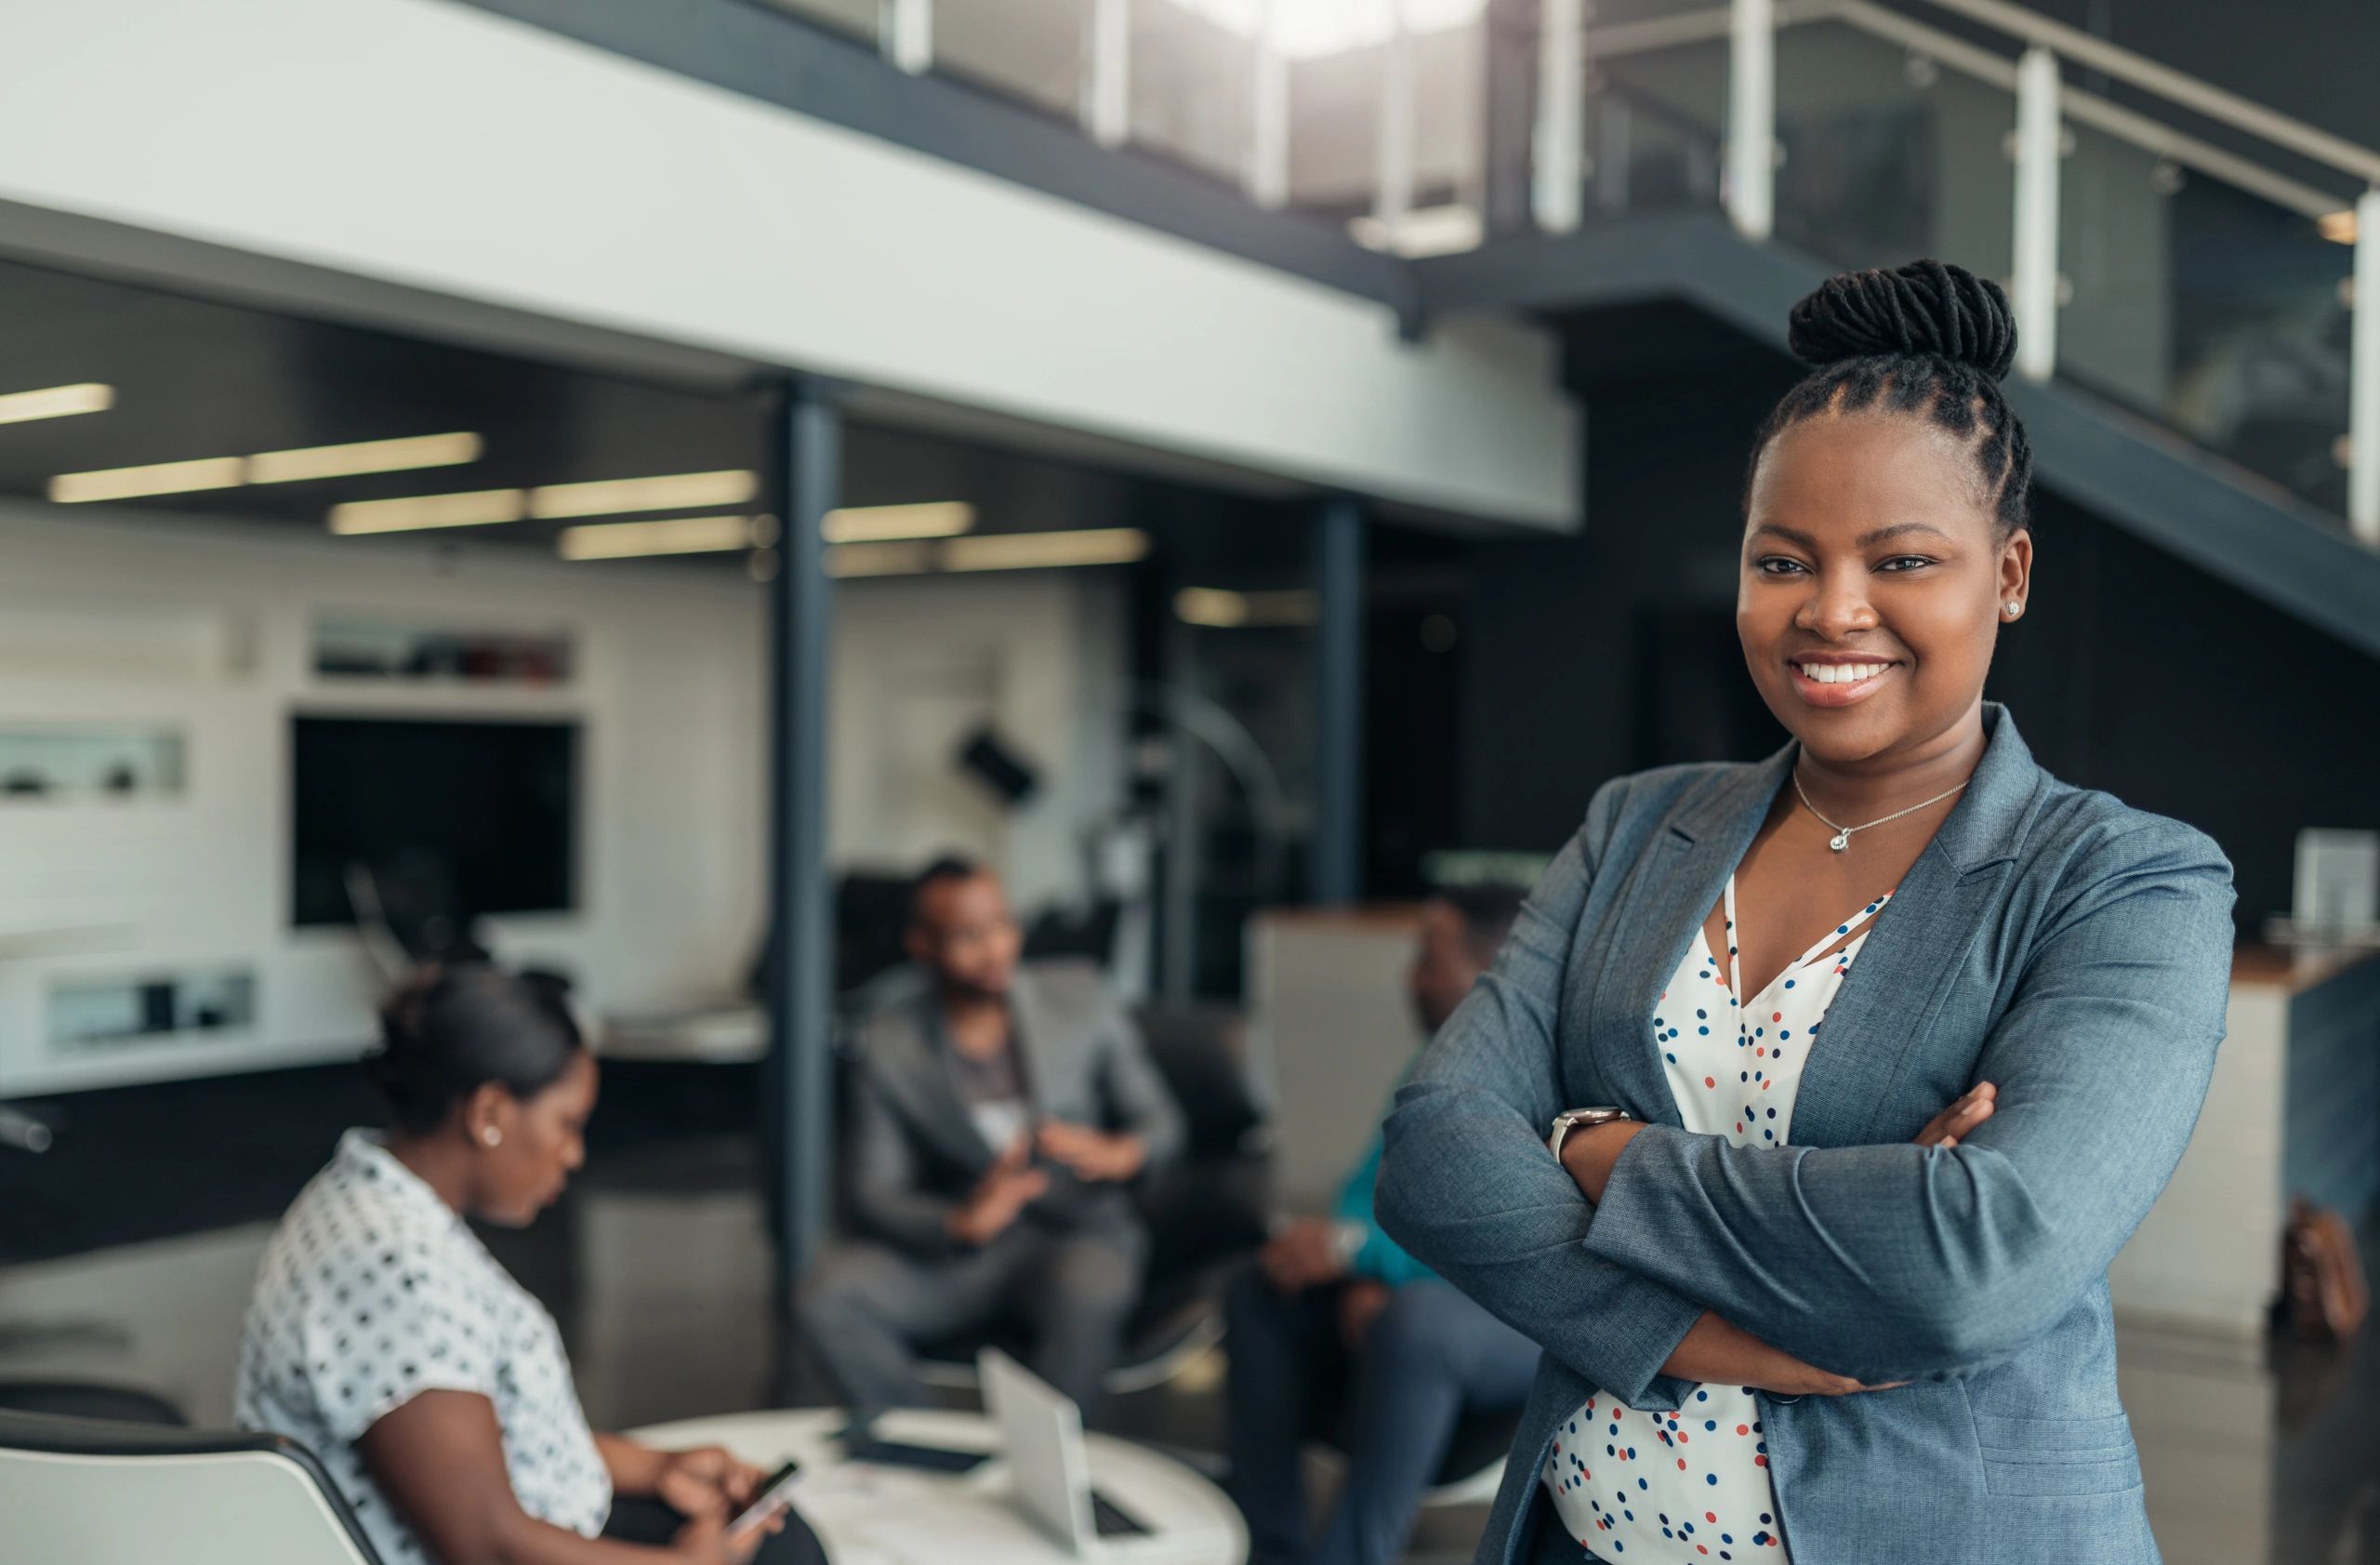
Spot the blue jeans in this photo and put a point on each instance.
(1430, 1356)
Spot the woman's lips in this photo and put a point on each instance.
(1838, 684)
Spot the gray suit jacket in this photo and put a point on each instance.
(2072, 950)
(913, 1153)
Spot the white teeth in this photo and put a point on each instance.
(1841, 673)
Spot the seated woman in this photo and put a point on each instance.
(384, 1338)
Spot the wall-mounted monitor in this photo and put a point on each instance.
(482, 818)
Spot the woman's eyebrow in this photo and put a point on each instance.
(1896, 530)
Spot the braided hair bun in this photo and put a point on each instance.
(1926, 307)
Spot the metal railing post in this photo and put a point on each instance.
(2364, 376)
(1268, 136)
(1393, 180)
(2038, 138)
(1557, 140)
(1107, 86)
(1750, 188)
(905, 33)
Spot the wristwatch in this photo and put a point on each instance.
(1580, 1119)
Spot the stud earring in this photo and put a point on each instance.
(2015, 608)
(492, 1136)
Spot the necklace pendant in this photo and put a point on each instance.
(1840, 841)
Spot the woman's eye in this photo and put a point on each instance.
(1777, 565)
(1905, 562)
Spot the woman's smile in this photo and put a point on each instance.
(1838, 679)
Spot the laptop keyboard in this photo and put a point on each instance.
(1111, 1522)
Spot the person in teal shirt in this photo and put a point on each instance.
(1336, 1329)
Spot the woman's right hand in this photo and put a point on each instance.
(705, 1540)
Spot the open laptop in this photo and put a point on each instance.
(1049, 1473)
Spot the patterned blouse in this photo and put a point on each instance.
(1693, 1486)
(373, 1290)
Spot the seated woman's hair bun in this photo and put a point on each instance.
(451, 1027)
(1927, 308)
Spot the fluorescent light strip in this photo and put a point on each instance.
(479, 508)
(679, 535)
(56, 402)
(160, 478)
(364, 456)
(881, 523)
(879, 559)
(1026, 551)
(1222, 609)
(681, 491)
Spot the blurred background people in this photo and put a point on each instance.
(385, 1339)
(1337, 1329)
(996, 1117)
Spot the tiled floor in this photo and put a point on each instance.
(658, 1270)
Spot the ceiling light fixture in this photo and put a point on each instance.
(364, 456)
(1027, 552)
(56, 402)
(881, 523)
(1222, 609)
(158, 478)
(678, 535)
(879, 559)
(478, 507)
(2338, 227)
(678, 491)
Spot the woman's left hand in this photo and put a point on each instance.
(705, 1481)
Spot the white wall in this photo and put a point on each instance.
(208, 627)
(434, 145)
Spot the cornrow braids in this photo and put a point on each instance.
(1928, 340)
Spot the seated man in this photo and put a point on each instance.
(998, 1117)
(1338, 1330)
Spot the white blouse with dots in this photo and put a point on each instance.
(1693, 1486)
(373, 1290)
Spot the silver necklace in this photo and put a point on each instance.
(1842, 838)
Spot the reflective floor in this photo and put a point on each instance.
(658, 1268)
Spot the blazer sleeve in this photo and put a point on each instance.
(1468, 1188)
(1137, 1096)
(1895, 1262)
(886, 1198)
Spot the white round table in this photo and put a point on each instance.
(869, 1515)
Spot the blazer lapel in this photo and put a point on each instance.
(1879, 1020)
(1670, 890)
(913, 1066)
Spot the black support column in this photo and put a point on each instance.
(807, 482)
(1336, 871)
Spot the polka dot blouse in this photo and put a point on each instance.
(1693, 1486)
(373, 1290)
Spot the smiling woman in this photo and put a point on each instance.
(1829, 1046)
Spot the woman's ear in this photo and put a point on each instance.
(489, 1114)
(2016, 571)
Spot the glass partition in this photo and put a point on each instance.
(1191, 87)
(1654, 124)
(1031, 50)
(1886, 155)
(2214, 309)
(858, 18)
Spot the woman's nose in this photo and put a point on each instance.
(1836, 607)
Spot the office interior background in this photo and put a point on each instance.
(632, 481)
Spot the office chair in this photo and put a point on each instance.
(102, 1492)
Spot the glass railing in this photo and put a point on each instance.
(2185, 280)
(1036, 50)
(2217, 311)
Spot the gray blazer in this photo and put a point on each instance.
(2073, 952)
(913, 1150)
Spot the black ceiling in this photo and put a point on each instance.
(195, 378)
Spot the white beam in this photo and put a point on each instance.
(1268, 137)
(1557, 142)
(1107, 87)
(1393, 186)
(1751, 184)
(2035, 271)
(2364, 376)
(905, 32)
